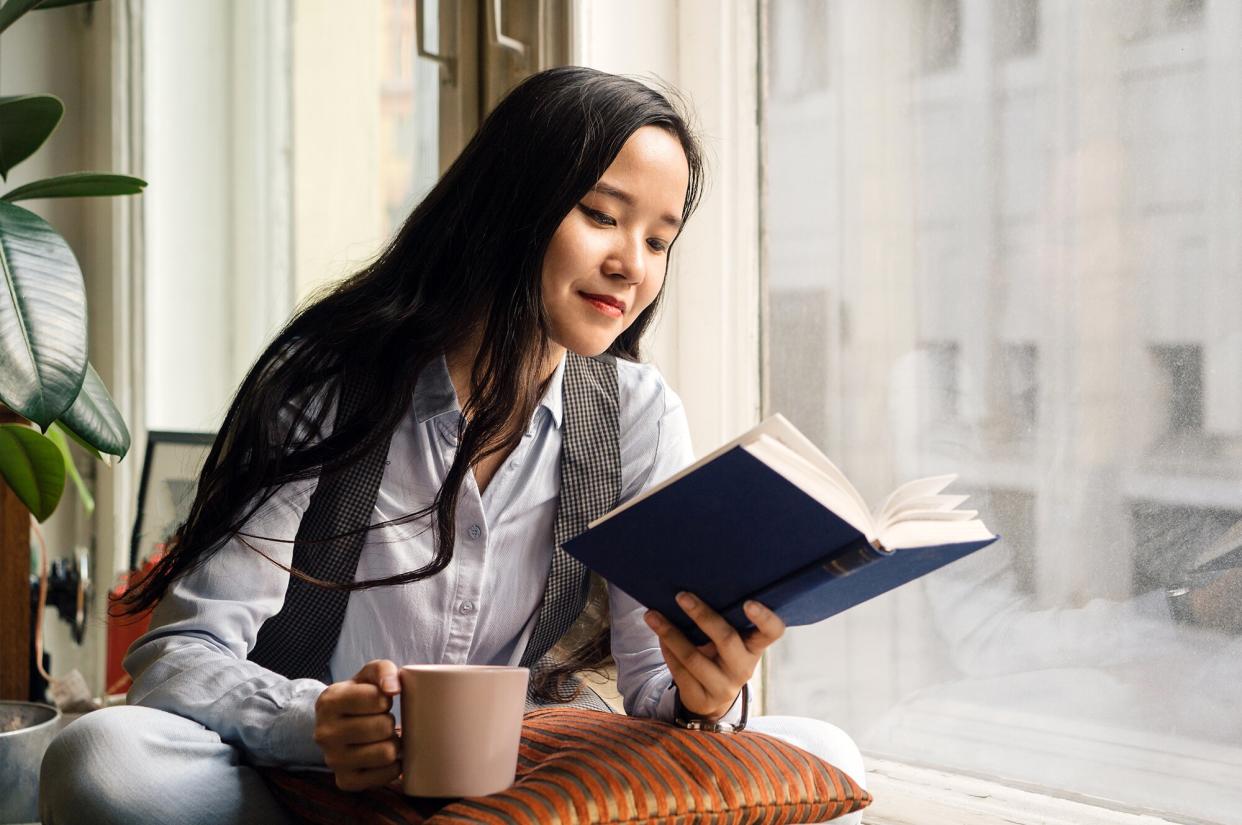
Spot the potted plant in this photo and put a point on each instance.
(51, 392)
(45, 376)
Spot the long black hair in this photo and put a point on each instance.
(465, 266)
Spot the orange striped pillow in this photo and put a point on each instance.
(582, 766)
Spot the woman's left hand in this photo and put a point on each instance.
(710, 676)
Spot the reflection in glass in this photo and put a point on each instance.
(1025, 272)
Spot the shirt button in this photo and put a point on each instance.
(475, 531)
(466, 608)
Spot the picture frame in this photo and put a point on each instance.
(170, 470)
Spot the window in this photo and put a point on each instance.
(1181, 380)
(1024, 272)
(1015, 28)
(1142, 19)
(1021, 390)
(940, 33)
(800, 66)
(312, 144)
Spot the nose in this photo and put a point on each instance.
(626, 260)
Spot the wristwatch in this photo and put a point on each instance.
(683, 718)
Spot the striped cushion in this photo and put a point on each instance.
(581, 766)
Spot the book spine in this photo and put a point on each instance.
(842, 562)
(854, 557)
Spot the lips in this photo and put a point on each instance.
(605, 304)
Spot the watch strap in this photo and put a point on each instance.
(683, 718)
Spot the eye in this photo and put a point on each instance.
(597, 216)
(657, 245)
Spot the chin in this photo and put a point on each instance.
(589, 344)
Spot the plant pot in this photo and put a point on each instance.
(26, 729)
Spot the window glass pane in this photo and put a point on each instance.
(272, 173)
(366, 134)
(1003, 242)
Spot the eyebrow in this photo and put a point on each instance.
(628, 199)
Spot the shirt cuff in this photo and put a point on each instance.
(292, 735)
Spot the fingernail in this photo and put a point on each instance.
(389, 684)
(653, 620)
(686, 600)
(754, 608)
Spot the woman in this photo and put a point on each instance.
(446, 357)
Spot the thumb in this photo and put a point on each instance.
(382, 673)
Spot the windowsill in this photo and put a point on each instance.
(909, 795)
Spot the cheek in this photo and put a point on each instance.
(556, 269)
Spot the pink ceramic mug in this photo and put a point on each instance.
(460, 728)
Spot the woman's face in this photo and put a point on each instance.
(606, 261)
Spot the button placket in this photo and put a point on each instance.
(470, 553)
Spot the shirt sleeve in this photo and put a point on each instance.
(192, 660)
(655, 445)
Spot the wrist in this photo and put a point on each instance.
(708, 716)
(687, 718)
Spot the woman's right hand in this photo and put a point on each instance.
(355, 729)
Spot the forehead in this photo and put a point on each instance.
(652, 168)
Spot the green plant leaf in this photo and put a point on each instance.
(33, 466)
(14, 9)
(26, 121)
(94, 419)
(77, 185)
(60, 425)
(42, 318)
(57, 436)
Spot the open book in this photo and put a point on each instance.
(769, 517)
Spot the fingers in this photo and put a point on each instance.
(375, 755)
(768, 627)
(363, 752)
(710, 675)
(708, 700)
(726, 639)
(681, 674)
(361, 780)
(370, 691)
(356, 732)
(344, 731)
(383, 674)
(684, 658)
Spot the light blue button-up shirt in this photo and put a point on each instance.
(479, 610)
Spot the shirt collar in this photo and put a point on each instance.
(553, 398)
(434, 394)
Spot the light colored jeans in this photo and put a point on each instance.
(136, 765)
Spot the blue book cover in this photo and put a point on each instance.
(733, 528)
